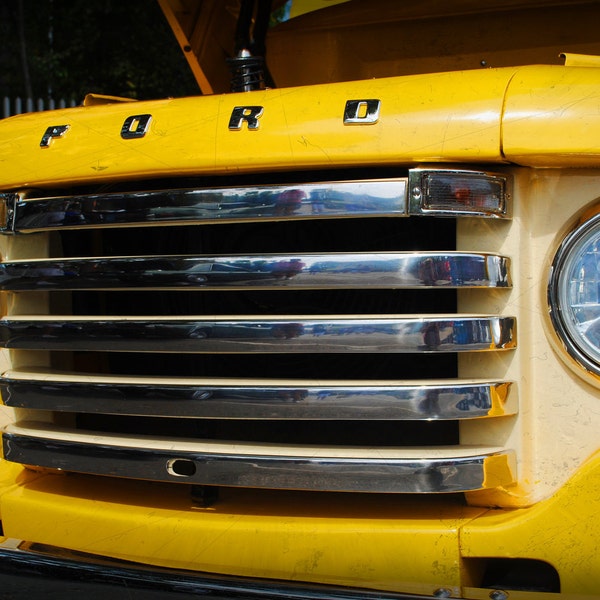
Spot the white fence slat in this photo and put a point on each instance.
(17, 105)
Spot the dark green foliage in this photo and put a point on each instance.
(73, 47)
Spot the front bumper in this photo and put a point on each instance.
(44, 573)
(298, 546)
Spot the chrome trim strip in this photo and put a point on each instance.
(320, 334)
(316, 200)
(383, 197)
(265, 400)
(40, 572)
(382, 270)
(376, 470)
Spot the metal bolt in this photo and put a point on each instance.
(204, 495)
(416, 192)
(498, 595)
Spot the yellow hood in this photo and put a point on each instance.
(538, 116)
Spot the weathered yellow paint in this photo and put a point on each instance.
(581, 60)
(552, 117)
(448, 117)
(12, 476)
(383, 542)
(540, 116)
(563, 531)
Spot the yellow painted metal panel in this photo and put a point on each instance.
(563, 531)
(445, 117)
(12, 476)
(381, 542)
(552, 117)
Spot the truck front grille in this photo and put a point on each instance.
(279, 336)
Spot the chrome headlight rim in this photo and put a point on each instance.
(570, 250)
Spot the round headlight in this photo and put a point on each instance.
(574, 294)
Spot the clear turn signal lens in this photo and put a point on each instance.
(453, 193)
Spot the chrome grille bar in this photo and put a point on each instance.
(244, 399)
(241, 465)
(441, 192)
(399, 429)
(265, 335)
(385, 197)
(382, 269)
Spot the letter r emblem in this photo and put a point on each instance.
(249, 114)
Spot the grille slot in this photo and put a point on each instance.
(314, 353)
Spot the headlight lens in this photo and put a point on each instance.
(574, 294)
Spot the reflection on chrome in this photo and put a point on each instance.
(299, 468)
(271, 400)
(263, 335)
(382, 269)
(251, 203)
(442, 192)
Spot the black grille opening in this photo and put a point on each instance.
(322, 433)
(328, 235)
(373, 366)
(372, 234)
(275, 302)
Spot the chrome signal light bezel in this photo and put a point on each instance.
(481, 193)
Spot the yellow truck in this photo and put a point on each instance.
(329, 329)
